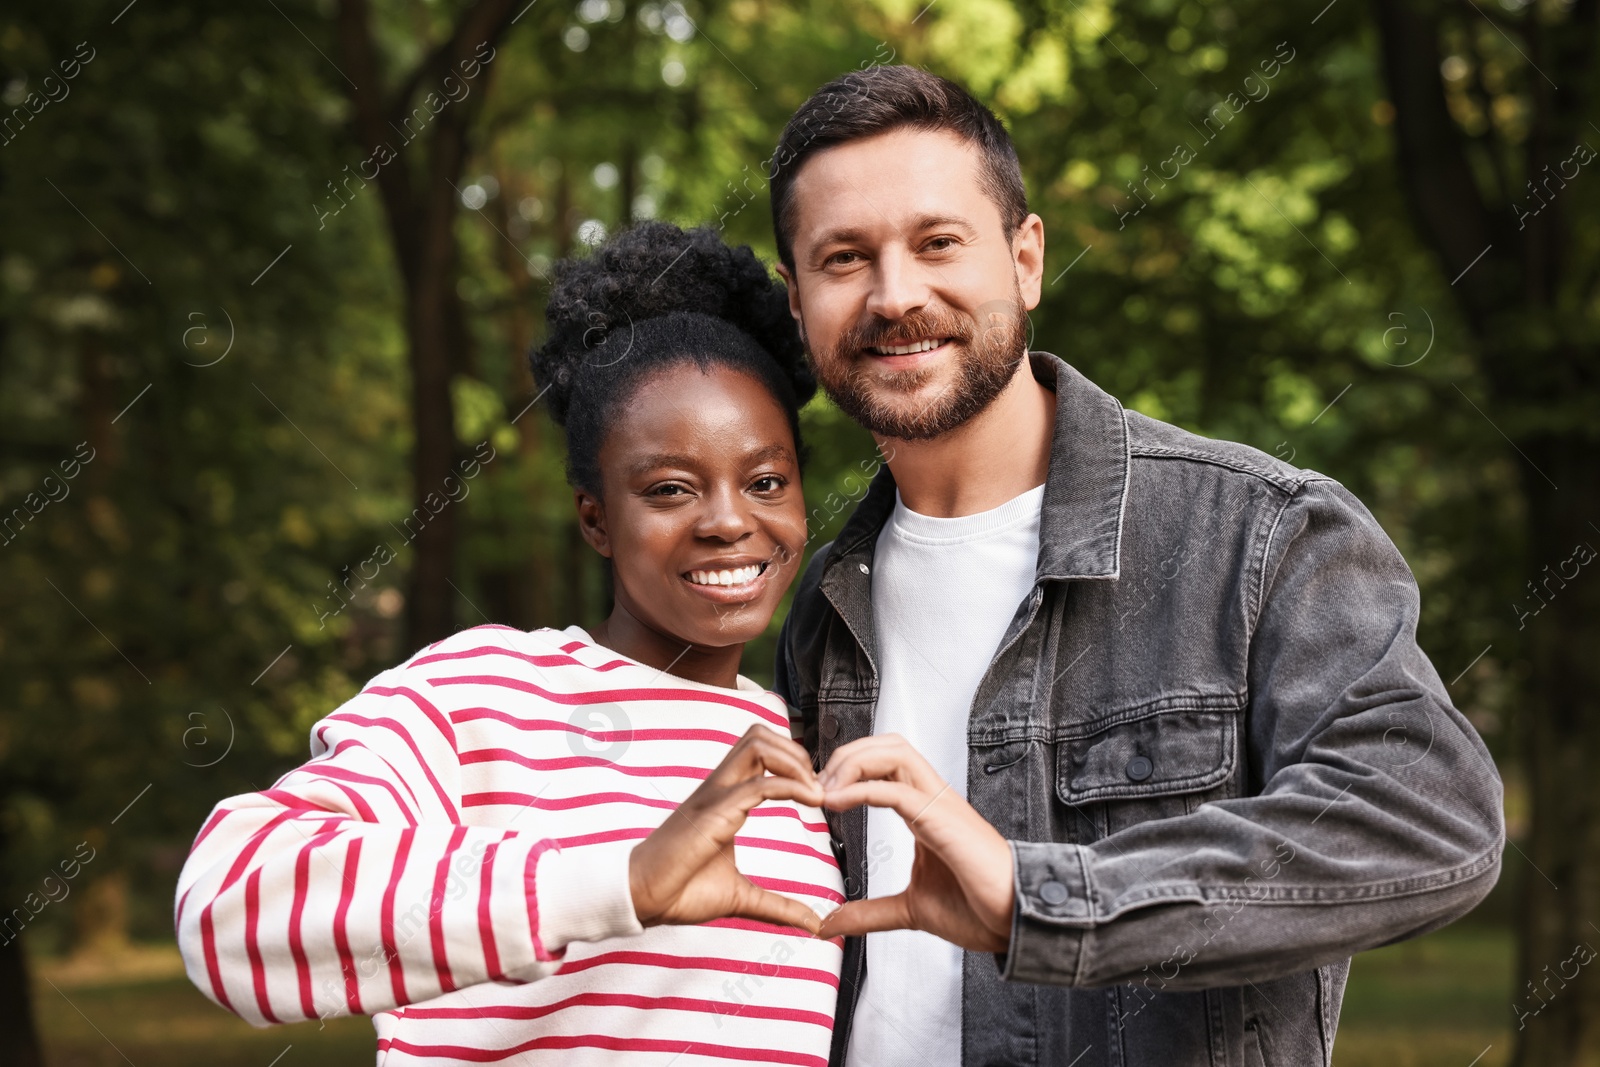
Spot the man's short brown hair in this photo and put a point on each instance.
(867, 102)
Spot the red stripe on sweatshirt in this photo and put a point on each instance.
(564, 763)
(525, 657)
(634, 833)
(700, 963)
(386, 723)
(525, 1012)
(341, 936)
(441, 955)
(252, 946)
(614, 696)
(520, 722)
(469, 1054)
(491, 952)
(440, 720)
(585, 800)
(539, 951)
(397, 970)
(297, 910)
(337, 776)
(208, 933)
(805, 889)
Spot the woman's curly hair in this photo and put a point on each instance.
(651, 297)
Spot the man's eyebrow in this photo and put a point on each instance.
(853, 234)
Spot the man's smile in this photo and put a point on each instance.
(910, 354)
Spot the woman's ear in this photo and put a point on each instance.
(592, 521)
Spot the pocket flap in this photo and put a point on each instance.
(1173, 751)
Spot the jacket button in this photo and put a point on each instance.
(830, 725)
(1053, 893)
(1139, 768)
(864, 568)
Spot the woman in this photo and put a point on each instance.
(521, 844)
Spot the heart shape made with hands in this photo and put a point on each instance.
(684, 872)
(962, 887)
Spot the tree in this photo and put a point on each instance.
(1492, 126)
(421, 200)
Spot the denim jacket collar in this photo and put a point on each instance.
(1085, 494)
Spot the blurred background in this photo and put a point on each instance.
(268, 273)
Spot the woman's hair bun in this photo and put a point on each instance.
(652, 269)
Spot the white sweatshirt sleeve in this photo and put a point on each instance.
(352, 886)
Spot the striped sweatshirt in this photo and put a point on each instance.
(453, 861)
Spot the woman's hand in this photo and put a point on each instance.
(684, 873)
(961, 880)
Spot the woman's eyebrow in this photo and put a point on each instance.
(770, 452)
(657, 460)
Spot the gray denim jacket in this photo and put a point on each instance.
(1222, 761)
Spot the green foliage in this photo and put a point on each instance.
(1241, 268)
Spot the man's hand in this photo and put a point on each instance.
(683, 873)
(961, 882)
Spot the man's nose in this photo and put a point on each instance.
(899, 285)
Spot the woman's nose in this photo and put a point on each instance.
(725, 516)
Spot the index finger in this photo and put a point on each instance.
(763, 749)
(880, 757)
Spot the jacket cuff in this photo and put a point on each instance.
(582, 894)
(1050, 916)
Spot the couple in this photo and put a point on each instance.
(1113, 742)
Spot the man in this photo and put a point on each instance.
(1139, 718)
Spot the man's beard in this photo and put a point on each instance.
(986, 361)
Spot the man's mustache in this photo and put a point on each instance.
(883, 332)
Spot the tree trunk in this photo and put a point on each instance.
(430, 614)
(421, 217)
(19, 1041)
(1506, 279)
(1557, 999)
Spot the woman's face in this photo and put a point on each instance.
(702, 515)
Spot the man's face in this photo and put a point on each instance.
(911, 296)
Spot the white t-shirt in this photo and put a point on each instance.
(943, 593)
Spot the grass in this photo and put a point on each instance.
(1439, 1001)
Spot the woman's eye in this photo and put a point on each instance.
(767, 483)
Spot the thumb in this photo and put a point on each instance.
(857, 917)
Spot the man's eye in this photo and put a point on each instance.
(843, 259)
(767, 483)
(939, 244)
(669, 489)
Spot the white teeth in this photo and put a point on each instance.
(738, 576)
(906, 350)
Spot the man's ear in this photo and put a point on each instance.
(792, 289)
(1027, 253)
(592, 521)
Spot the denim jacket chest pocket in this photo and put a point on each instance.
(1156, 761)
